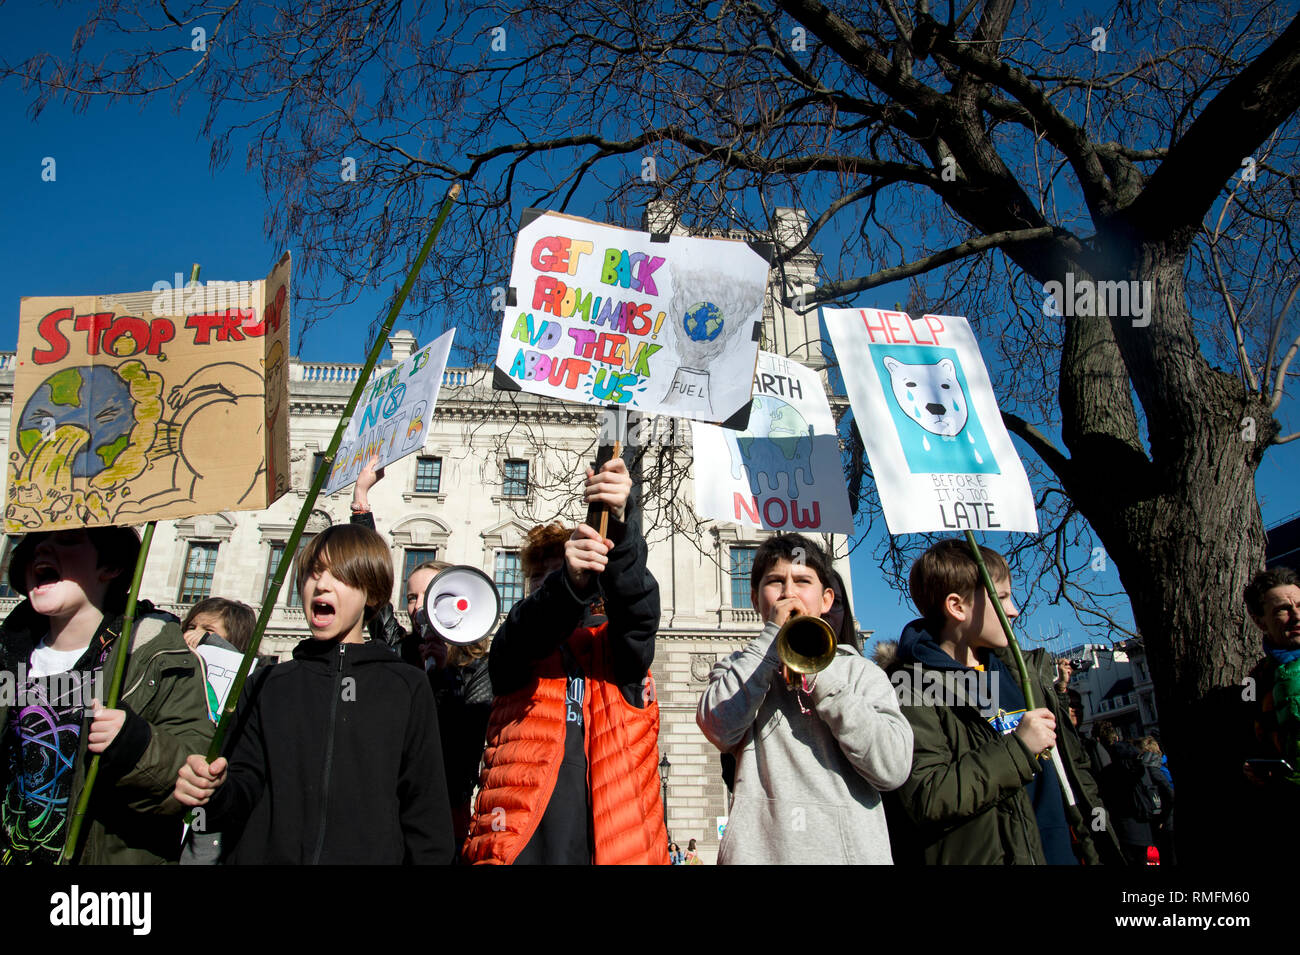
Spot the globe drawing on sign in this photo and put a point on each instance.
(778, 441)
(703, 322)
(59, 416)
(102, 445)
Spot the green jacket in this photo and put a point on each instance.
(965, 802)
(1277, 717)
(132, 817)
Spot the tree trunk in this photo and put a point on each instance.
(1191, 553)
(1184, 530)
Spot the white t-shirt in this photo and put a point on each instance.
(46, 661)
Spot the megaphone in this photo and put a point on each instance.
(461, 604)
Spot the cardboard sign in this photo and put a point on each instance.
(940, 455)
(604, 315)
(393, 416)
(783, 471)
(150, 405)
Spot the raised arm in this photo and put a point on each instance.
(631, 596)
(383, 626)
(531, 632)
(737, 687)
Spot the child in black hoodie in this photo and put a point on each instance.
(339, 747)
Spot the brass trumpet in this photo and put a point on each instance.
(805, 645)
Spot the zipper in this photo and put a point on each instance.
(329, 756)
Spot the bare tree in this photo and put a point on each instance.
(981, 151)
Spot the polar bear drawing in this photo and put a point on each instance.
(930, 395)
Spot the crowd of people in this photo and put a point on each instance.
(539, 744)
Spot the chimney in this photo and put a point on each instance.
(402, 342)
(790, 226)
(660, 217)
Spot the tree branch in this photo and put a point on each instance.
(1244, 113)
(1061, 466)
(840, 290)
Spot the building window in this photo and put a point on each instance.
(5, 589)
(294, 598)
(509, 578)
(289, 589)
(414, 558)
(742, 562)
(516, 482)
(317, 460)
(428, 475)
(277, 551)
(200, 563)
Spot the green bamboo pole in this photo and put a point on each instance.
(322, 473)
(1002, 616)
(115, 682)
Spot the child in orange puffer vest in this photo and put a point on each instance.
(570, 772)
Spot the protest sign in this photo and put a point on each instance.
(220, 666)
(783, 471)
(150, 405)
(394, 414)
(941, 458)
(604, 316)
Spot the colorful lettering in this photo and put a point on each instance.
(48, 329)
(645, 277)
(613, 391)
(584, 341)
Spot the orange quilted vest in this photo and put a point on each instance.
(525, 748)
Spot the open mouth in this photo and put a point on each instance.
(322, 613)
(43, 574)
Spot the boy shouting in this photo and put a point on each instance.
(336, 757)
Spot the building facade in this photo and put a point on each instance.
(1114, 684)
(494, 465)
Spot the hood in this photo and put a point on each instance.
(885, 654)
(918, 645)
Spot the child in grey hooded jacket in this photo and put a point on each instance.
(811, 765)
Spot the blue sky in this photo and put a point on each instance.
(133, 201)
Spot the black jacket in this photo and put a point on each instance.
(464, 698)
(336, 760)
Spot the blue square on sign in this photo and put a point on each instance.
(926, 392)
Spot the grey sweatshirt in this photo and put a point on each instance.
(807, 785)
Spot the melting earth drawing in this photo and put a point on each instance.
(777, 442)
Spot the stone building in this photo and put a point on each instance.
(1114, 684)
(493, 466)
